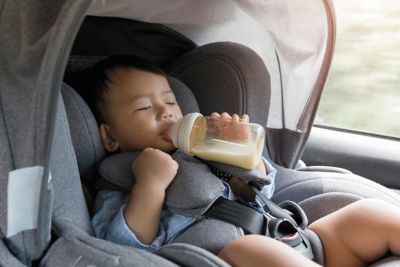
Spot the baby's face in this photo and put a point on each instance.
(140, 107)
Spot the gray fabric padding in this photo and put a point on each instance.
(316, 246)
(194, 188)
(210, 234)
(91, 249)
(84, 130)
(339, 189)
(65, 185)
(186, 255)
(31, 38)
(117, 170)
(226, 77)
(184, 96)
(323, 204)
(6, 165)
(69, 201)
(83, 250)
(8, 259)
(323, 169)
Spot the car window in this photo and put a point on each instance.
(362, 92)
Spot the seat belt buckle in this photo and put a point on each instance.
(285, 231)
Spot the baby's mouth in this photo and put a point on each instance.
(164, 134)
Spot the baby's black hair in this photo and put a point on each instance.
(94, 82)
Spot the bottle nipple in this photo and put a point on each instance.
(173, 132)
(179, 133)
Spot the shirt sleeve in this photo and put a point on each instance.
(119, 232)
(109, 222)
(268, 190)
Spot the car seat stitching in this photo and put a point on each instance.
(7, 133)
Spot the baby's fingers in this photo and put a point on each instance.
(215, 115)
(225, 116)
(235, 118)
(244, 118)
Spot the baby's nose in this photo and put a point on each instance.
(167, 113)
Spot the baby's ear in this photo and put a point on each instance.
(108, 141)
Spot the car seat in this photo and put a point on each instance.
(219, 83)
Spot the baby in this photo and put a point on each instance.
(135, 106)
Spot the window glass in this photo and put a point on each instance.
(362, 92)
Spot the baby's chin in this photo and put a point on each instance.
(164, 146)
(168, 148)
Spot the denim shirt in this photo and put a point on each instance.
(109, 222)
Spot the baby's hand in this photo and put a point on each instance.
(241, 132)
(234, 117)
(155, 168)
(235, 132)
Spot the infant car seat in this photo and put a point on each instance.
(35, 37)
(220, 83)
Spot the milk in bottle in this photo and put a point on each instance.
(215, 139)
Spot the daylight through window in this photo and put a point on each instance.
(362, 92)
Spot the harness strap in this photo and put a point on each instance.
(284, 223)
(250, 220)
(254, 222)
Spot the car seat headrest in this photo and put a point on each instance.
(84, 132)
(85, 136)
(226, 76)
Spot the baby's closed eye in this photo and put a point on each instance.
(169, 100)
(143, 108)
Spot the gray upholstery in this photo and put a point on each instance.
(184, 96)
(210, 234)
(226, 77)
(84, 132)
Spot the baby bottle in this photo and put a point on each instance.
(215, 139)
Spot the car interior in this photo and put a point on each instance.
(206, 71)
(216, 76)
